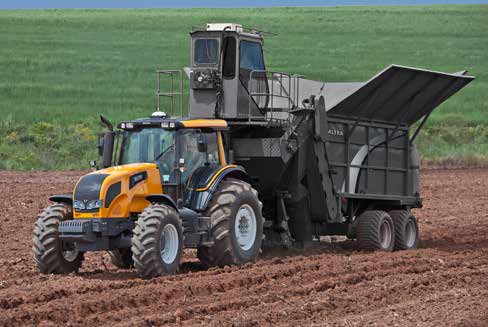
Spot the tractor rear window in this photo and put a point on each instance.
(206, 51)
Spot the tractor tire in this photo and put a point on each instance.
(121, 258)
(375, 231)
(406, 229)
(51, 255)
(236, 225)
(157, 241)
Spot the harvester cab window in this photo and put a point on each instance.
(251, 56)
(206, 51)
(251, 59)
(194, 158)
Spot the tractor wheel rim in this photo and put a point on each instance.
(410, 233)
(169, 244)
(385, 234)
(69, 253)
(245, 227)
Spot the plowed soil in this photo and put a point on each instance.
(443, 283)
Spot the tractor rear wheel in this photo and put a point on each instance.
(236, 225)
(157, 242)
(121, 258)
(406, 229)
(375, 231)
(51, 255)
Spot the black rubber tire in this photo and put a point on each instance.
(369, 230)
(121, 258)
(146, 241)
(401, 218)
(47, 247)
(222, 210)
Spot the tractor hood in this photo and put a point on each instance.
(115, 192)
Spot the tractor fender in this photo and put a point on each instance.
(62, 198)
(206, 180)
(162, 199)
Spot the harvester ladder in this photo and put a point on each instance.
(175, 78)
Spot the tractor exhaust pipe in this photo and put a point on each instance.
(108, 149)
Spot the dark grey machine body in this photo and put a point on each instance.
(319, 154)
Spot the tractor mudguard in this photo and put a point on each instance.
(162, 199)
(205, 180)
(62, 198)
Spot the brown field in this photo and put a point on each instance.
(443, 283)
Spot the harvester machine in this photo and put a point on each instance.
(261, 155)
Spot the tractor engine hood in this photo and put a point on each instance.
(116, 192)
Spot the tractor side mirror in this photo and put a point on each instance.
(202, 143)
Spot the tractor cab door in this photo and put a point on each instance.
(191, 156)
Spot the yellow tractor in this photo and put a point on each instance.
(167, 186)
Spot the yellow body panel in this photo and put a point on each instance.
(129, 200)
(202, 123)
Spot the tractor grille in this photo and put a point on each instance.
(74, 226)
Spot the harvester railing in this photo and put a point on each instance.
(175, 79)
(275, 94)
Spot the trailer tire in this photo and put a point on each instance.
(375, 231)
(121, 258)
(51, 255)
(406, 229)
(157, 241)
(233, 245)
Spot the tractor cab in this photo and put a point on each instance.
(177, 147)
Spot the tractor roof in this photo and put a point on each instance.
(163, 121)
(228, 28)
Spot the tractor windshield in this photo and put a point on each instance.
(149, 145)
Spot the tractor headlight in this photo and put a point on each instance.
(87, 205)
(94, 204)
(78, 205)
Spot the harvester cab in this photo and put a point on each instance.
(314, 158)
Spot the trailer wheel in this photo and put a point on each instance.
(406, 229)
(157, 242)
(236, 225)
(51, 255)
(375, 231)
(121, 258)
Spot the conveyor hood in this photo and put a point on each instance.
(400, 95)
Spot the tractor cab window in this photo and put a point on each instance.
(149, 145)
(206, 51)
(194, 158)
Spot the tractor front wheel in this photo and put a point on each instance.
(157, 242)
(51, 255)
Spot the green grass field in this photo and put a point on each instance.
(61, 68)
